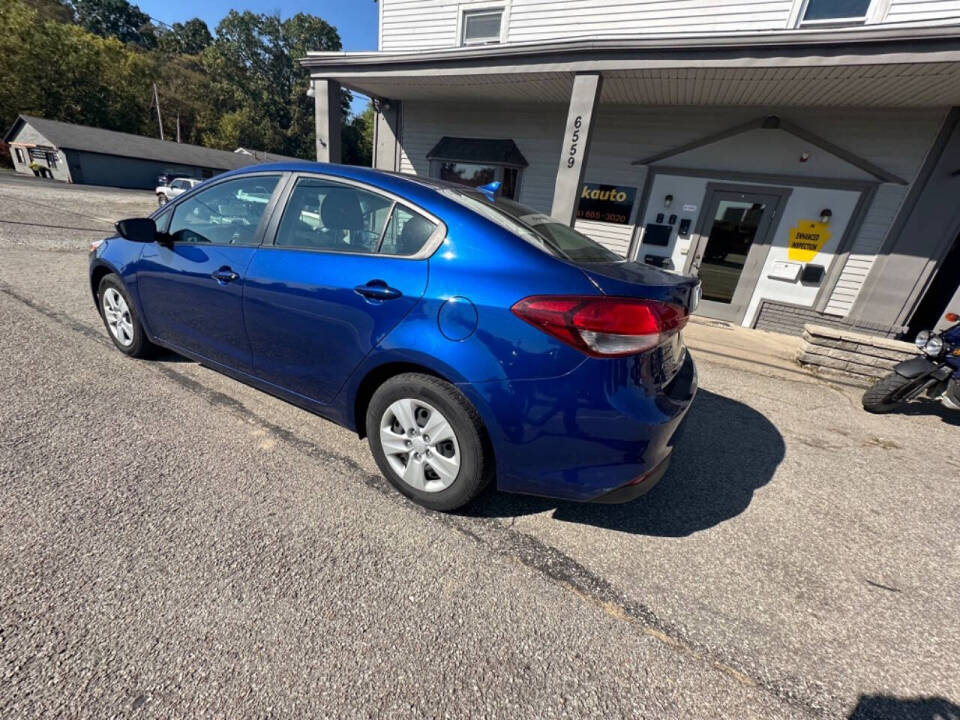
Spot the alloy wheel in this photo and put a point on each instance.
(117, 314)
(420, 445)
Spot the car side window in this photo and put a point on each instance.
(163, 221)
(226, 214)
(326, 215)
(407, 232)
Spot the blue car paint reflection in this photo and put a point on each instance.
(561, 424)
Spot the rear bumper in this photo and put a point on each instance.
(635, 488)
(588, 435)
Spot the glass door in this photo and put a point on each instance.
(730, 249)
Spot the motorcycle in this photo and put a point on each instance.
(936, 372)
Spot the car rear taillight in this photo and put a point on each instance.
(603, 326)
(951, 317)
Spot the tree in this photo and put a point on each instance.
(246, 87)
(94, 81)
(116, 18)
(261, 86)
(189, 38)
(358, 138)
(52, 10)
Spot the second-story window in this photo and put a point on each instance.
(830, 12)
(481, 27)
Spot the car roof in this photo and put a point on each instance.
(415, 188)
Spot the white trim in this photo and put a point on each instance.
(878, 11)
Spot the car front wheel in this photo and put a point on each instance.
(161, 199)
(429, 441)
(120, 318)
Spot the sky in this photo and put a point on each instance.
(355, 20)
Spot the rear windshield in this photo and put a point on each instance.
(536, 228)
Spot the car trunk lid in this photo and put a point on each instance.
(639, 280)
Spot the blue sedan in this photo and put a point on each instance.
(471, 339)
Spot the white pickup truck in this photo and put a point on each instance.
(177, 186)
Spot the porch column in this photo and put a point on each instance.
(576, 145)
(386, 134)
(326, 98)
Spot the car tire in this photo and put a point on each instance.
(443, 472)
(120, 318)
(162, 199)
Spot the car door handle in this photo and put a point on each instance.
(224, 275)
(377, 290)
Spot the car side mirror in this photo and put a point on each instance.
(143, 230)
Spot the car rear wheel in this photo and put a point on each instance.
(120, 318)
(429, 441)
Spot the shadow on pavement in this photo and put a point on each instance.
(728, 450)
(169, 356)
(886, 707)
(932, 408)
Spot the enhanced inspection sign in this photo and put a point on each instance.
(807, 239)
(606, 203)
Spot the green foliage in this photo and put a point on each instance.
(189, 38)
(245, 87)
(62, 72)
(116, 18)
(260, 84)
(358, 138)
(52, 10)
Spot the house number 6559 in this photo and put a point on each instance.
(574, 141)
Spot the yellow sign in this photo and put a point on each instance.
(807, 239)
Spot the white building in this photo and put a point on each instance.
(801, 156)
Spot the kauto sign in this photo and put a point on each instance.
(606, 203)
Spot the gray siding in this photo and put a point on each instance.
(97, 169)
(789, 319)
(30, 136)
(896, 140)
(536, 129)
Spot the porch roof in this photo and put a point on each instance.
(886, 67)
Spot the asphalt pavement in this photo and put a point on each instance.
(176, 544)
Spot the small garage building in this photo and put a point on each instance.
(93, 156)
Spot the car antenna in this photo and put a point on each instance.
(490, 190)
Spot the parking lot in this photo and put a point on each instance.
(175, 543)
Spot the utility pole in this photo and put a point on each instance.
(156, 100)
(178, 126)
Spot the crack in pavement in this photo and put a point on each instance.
(499, 539)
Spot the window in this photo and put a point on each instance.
(19, 155)
(475, 175)
(470, 174)
(407, 232)
(325, 215)
(536, 228)
(481, 26)
(162, 221)
(478, 161)
(828, 12)
(226, 214)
